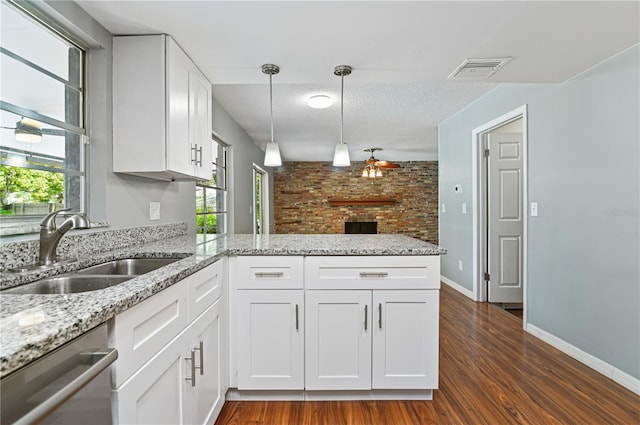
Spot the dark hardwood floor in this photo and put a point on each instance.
(491, 372)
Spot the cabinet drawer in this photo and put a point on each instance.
(400, 272)
(205, 287)
(140, 332)
(266, 272)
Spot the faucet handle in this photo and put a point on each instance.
(49, 222)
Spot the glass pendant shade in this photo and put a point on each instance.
(272, 155)
(341, 156)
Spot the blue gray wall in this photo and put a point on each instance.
(584, 246)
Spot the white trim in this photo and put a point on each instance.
(479, 291)
(302, 395)
(464, 291)
(630, 382)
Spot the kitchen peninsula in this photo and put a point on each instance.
(380, 289)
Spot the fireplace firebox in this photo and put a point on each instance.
(361, 227)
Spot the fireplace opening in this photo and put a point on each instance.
(360, 227)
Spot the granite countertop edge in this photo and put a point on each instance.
(33, 325)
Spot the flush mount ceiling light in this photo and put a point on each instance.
(319, 101)
(272, 152)
(341, 154)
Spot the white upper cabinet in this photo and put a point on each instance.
(161, 111)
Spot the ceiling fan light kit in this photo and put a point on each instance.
(373, 167)
(272, 152)
(341, 154)
(28, 131)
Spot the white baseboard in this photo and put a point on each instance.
(630, 382)
(464, 291)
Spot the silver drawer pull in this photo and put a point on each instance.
(269, 274)
(374, 274)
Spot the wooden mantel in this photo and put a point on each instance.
(366, 202)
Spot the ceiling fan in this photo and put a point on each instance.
(373, 167)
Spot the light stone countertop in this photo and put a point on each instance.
(33, 325)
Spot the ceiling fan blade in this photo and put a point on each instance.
(386, 164)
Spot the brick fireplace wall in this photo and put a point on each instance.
(302, 191)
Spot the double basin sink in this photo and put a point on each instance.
(92, 278)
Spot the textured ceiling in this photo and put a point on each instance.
(401, 52)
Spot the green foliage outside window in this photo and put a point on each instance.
(23, 185)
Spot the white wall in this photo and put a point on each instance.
(583, 248)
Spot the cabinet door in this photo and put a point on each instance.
(201, 125)
(405, 341)
(270, 339)
(157, 393)
(206, 337)
(179, 152)
(338, 341)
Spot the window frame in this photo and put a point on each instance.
(40, 18)
(223, 189)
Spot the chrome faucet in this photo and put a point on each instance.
(50, 234)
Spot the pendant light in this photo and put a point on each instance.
(341, 154)
(272, 152)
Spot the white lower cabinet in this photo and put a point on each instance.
(185, 380)
(363, 340)
(270, 339)
(338, 345)
(349, 327)
(157, 393)
(405, 339)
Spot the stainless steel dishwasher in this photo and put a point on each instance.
(70, 385)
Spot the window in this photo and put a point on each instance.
(260, 201)
(211, 196)
(42, 153)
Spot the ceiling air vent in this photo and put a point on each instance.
(477, 69)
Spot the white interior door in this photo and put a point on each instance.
(505, 211)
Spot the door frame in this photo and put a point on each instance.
(264, 199)
(478, 173)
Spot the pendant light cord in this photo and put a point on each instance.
(271, 104)
(341, 109)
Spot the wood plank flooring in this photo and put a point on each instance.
(491, 372)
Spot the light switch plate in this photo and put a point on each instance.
(534, 209)
(154, 210)
(444, 209)
(464, 208)
(460, 265)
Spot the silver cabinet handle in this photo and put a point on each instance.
(365, 316)
(194, 154)
(380, 315)
(201, 350)
(269, 274)
(199, 152)
(297, 321)
(374, 274)
(192, 359)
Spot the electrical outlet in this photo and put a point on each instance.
(154, 210)
(460, 265)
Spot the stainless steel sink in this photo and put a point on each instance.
(67, 284)
(93, 278)
(128, 266)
